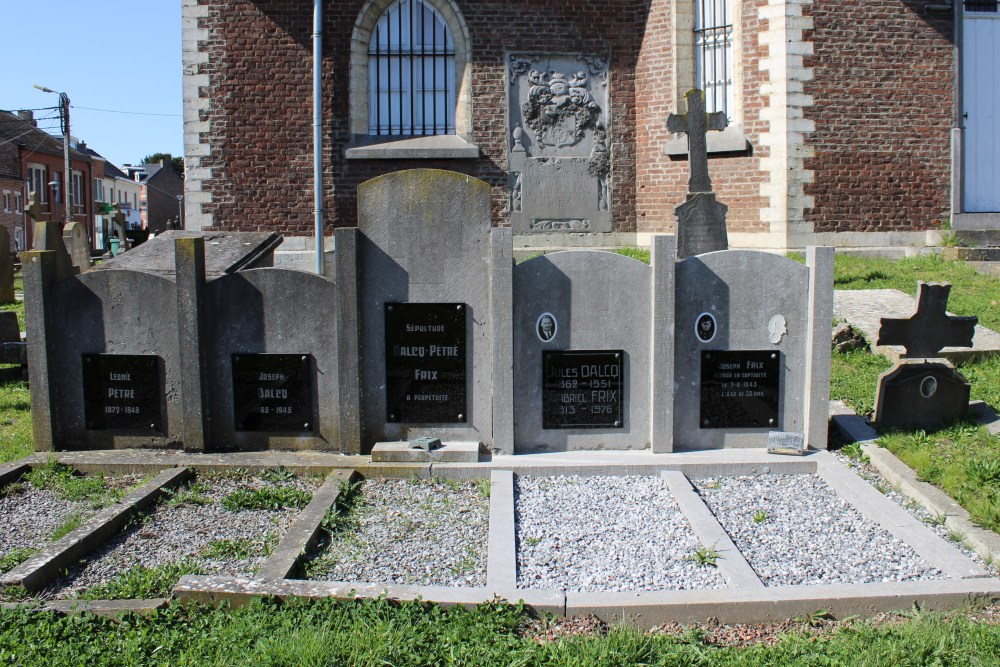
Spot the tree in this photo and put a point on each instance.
(176, 162)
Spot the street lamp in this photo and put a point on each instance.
(64, 120)
(180, 211)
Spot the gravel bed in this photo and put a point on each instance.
(410, 532)
(177, 532)
(870, 474)
(30, 515)
(808, 534)
(605, 534)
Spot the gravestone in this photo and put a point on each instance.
(77, 246)
(47, 237)
(701, 220)
(752, 348)
(6, 268)
(921, 391)
(560, 157)
(432, 277)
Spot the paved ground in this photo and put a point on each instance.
(864, 309)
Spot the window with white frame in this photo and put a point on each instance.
(411, 72)
(98, 190)
(76, 188)
(713, 46)
(17, 202)
(37, 181)
(6, 201)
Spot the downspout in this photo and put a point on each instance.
(318, 128)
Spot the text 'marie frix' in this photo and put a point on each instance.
(582, 389)
(121, 392)
(739, 388)
(273, 392)
(425, 379)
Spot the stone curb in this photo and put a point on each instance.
(34, 573)
(900, 523)
(984, 542)
(106, 608)
(238, 591)
(501, 560)
(304, 532)
(733, 567)
(11, 472)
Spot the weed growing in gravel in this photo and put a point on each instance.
(267, 498)
(14, 558)
(854, 451)
(14, 594)
(705, 556)
(452, 484)
(483, 487)
(277, 475)
(342, 516)
(69, 524)
(192, 494)
(14, 489)
(466, 564)
(760, 516)
(68, 485)
(815, 619)
(242, 549)
(142, 582)
(532, 541)
(936, 520)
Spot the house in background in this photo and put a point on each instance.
(12, 189)
(161, 193)
(852, 124)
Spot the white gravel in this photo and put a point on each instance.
(810, 535)
(177, 532)
(411, 532)
(604, 534)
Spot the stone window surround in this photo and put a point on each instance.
(732, 139)
(366, 147)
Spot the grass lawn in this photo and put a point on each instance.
(15, 421)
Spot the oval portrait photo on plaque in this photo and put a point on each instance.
(546, 327)
(704, 327)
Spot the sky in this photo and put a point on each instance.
(116, 55)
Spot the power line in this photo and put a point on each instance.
(131, 113)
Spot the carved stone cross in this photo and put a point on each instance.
(34, 208)
(696, 123)
(930, 328)
(119, 216)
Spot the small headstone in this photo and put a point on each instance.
(6, 268)
(47, 237)
(77, 245)
(917, 392)
(701, 220)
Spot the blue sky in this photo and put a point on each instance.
(118, 55)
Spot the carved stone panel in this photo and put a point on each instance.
(560, 157)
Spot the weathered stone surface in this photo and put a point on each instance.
(743, 290)
(225, 252)
(701, 225)
(74, 237)
(6, 268)
(47, 237)
(425, 238)
(599, 301)
(920, 395)
(930, 328)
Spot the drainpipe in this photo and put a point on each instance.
(318, 128)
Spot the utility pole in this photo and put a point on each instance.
(64, 122)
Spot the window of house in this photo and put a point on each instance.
(98, 190)
(76, 188)
(713, 45)
(17, 202)
(411, 72)
(981, 6)
(37, 181)
(6, 201)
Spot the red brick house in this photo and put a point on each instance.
(851, 124)
(12, 189)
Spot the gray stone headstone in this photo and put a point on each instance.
(424, 237)
(10, 331)
(920, 395)
(6, 268)
(47, 237)
(596, 301)
(559, 158)
(77, 246)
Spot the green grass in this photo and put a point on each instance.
(641, 254)
(71, 523)
(241, 549)
(68, 485)
(15, 421)
(141, 582)
(13, 558)
(383, 633)
(267, 498)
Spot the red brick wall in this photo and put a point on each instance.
(883, 93)
(662, 181)
(261, 115)
(9, 180)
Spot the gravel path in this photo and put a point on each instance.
(410, 532)
(179, 531)
(604, 534)
(29, 515)
(807, 533)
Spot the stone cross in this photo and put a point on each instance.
(696, 123)
(930, 328)
(119, 217)
(34, 207)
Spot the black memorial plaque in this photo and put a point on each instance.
(273, 393)
(425, 378)
(582, 389)
(739, 388)
(121, 392)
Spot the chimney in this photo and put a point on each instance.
(27, 115)
(81, 145)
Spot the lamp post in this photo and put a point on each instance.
(180, 211)
(64, 121)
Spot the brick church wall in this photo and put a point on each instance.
(883, 92)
